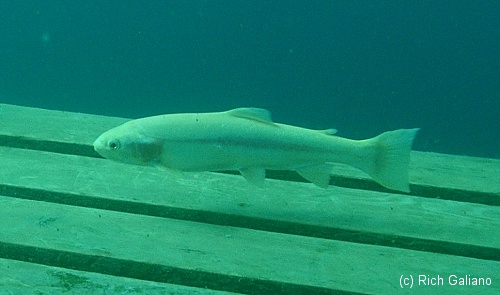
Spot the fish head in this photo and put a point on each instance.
(127, 144)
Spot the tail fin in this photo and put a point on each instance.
(389, 158)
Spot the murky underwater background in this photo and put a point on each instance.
(361, 67)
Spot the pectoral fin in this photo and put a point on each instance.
(170, 171)
(255, 176)
(319, 175)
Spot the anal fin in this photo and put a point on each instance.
(255, 176)
(319, 174)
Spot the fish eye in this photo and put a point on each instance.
(114, 144)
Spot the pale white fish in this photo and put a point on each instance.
(247, 140)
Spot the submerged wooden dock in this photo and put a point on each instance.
(74, 223)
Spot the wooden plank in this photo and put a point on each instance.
(227, 199)
(59, 126)
(428, 170)
(18, 277)
(340, 226)
(456, 172)
(220, 257)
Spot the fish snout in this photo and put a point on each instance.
(100, 145)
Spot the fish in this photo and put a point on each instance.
(247, 140)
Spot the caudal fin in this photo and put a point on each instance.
(388, 158)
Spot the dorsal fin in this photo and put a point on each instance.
(330, 131)
(257, 114)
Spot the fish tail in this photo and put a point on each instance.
(388, 159)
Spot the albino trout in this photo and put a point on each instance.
(247, 140)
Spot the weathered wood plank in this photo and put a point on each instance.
(212, 197)
(18, 277)
(336, 215)
(166, 250)
(472, 175)
(60, 126)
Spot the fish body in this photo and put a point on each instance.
(247, 140)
